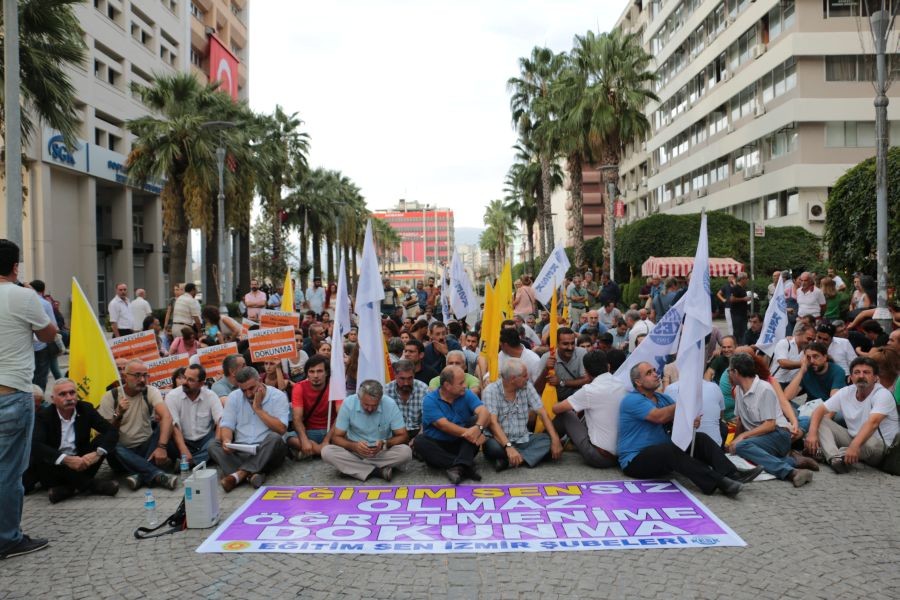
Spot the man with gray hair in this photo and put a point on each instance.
(255, 415)
(789, 352)
(509, 400)
(227, 384)
(64, 458)
(369, 435)
(456, 358)
(409, 393)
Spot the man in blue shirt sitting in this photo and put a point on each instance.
(453, 423)
(369, 435)
(645, 450)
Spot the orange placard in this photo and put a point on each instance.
(246, 324)
(161, 369)
(140, 345)
(211, 358)
(278, 318)
(272, 344)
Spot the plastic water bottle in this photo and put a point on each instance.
(150, 509)
(184, 469)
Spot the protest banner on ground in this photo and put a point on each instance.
(161, 369)
(449, 519)
(278, 318)
(211, 358)
(140, 345)
(272, 344)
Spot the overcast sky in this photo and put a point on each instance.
(408, 97)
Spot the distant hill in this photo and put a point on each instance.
(467, 235)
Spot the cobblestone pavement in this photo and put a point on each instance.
(838, 537)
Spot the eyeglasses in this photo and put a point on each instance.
(139, 375)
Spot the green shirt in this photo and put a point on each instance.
(472, 383)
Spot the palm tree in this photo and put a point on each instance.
(177, 147)
(531, 110)
(521, 201)
(386, 241)
(599, 98)
(50, 43)
(500, 225)
(283, 148)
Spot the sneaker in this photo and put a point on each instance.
(166, 481)
(26, 545)
(133, 482)
(748, 475)
(59, 493)
(105, 487)
(257, 480)
(800, 477)
(730, 487)
(293, 454)
(386, 473)
(839, 466)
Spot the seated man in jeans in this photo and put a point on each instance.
(142, 447)
(645, 450)
(255, 414)
(196, 411)
(509, 400)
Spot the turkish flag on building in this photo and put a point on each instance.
(223, 67)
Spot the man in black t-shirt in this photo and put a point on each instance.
(740, 306)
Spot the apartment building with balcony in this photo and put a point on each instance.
(762, 106)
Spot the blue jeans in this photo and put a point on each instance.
(536, 449)
(316, 435)
(16, 424)
(770, 451)
(42, 360)
(135, 459)
(199, 448)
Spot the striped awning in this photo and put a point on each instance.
(680, 266)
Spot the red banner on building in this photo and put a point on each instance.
(223, 67)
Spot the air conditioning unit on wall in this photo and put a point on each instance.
(815, 211)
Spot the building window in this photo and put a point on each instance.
(196, 58)
(850, 134)
(197, 12)
(137, 219)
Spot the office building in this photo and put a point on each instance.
(427, 238)
(762, 106)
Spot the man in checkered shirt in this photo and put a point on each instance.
(409, 393)
(509, 399)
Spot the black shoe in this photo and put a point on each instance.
(105, 487)
(730, 487)
(59, 493)
(471, 473)
(501, 465)
(747, 475)
(25, 546)
(454, 474)
(387, 473)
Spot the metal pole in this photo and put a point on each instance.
(13, 166)
(881, 21)
(752, 260)
(220, 224)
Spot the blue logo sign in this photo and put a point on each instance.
(667, 330)
(59, 152)
(704, 541)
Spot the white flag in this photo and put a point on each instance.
(657, 346)
(337, 387)
(446, 317)
(691, 358)
(554, 270)
(462, 296)
(775, 324)
(369, 295)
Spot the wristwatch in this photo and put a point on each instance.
(509, 444)
(480, 427)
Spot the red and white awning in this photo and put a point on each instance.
(680, 266)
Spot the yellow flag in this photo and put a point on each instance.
(287, 296)
(91, 364)
(549, 396)
(490, 331)
(504, 292)
(565, 311)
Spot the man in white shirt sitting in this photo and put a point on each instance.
(871, 416)
(196, 411)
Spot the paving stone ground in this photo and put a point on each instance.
(838, 537)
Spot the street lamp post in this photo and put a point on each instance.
(881, 22)
(220, 219)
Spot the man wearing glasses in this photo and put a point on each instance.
(132, 408)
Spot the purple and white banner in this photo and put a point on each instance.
(478, 518)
